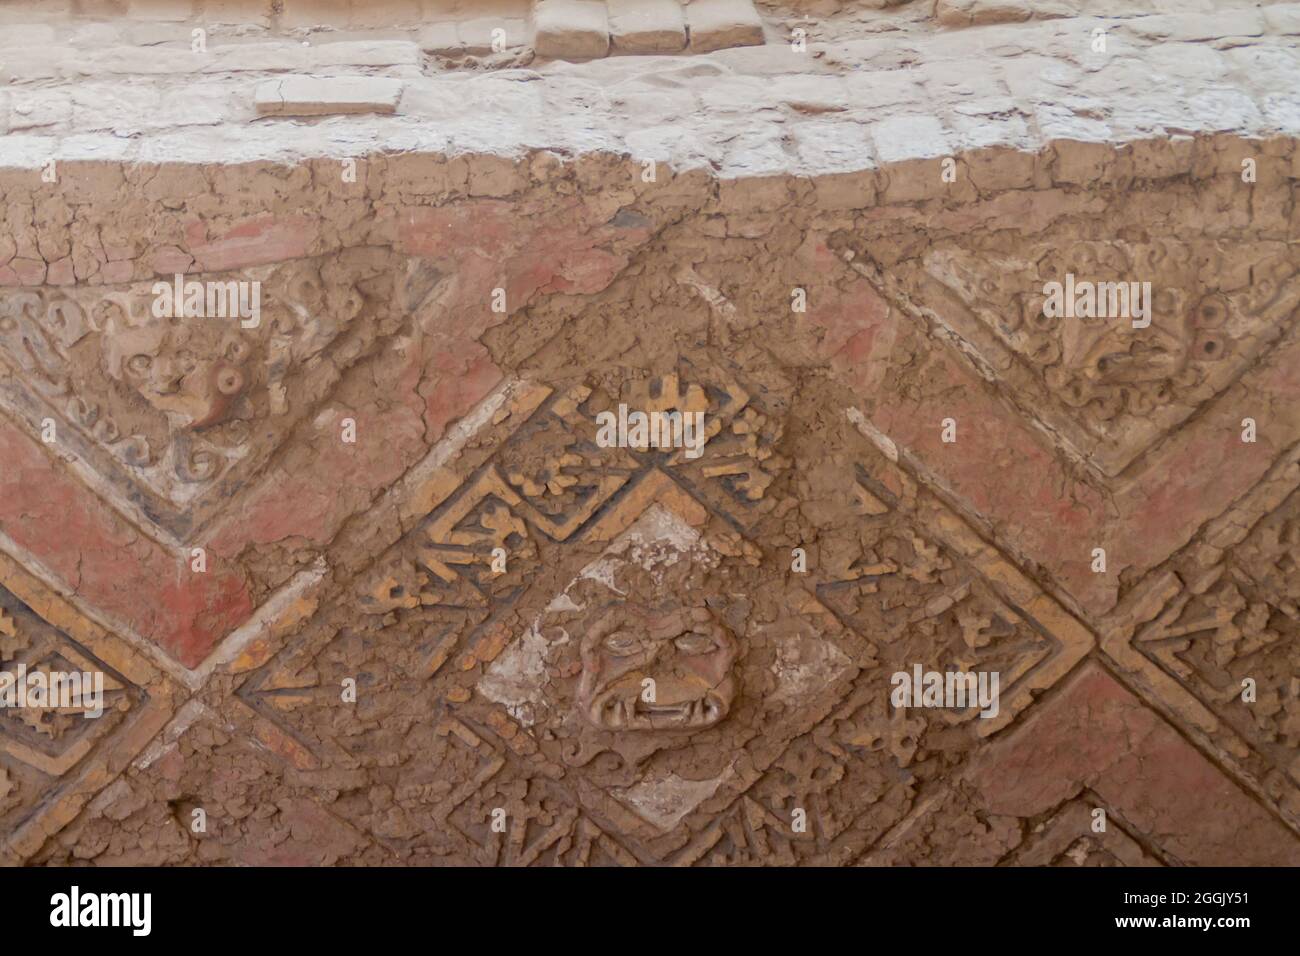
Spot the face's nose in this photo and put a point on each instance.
(677, 687)
(674, 680)
(166, 376)
(663, 654)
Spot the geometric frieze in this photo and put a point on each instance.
(170, 396)
(1111, 343)
(600, 642)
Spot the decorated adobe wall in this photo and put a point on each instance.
(367, 584)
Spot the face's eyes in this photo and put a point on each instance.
(236, 350)
(138, 364)
(694, 644)
(622, 644)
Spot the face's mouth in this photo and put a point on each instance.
(620, 712)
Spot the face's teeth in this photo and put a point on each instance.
(618, 712)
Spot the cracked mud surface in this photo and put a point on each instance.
(431, 644)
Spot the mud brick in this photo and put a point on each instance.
(719, 24)
(320, 96)
(570, 29)
(646, 26)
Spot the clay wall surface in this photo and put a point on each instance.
(368, 584)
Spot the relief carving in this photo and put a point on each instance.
(1235, 621)
(643, 661)
(1214, 307)
(685, 654)
(175, 408)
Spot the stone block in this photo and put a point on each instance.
(251, 12)
(165, 10)
(646, 26)
(718, 24)
(322, 96)
(570, 29)
(480, 36)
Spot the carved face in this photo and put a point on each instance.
(1122, 356)
(174, 368)
(685, 652)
